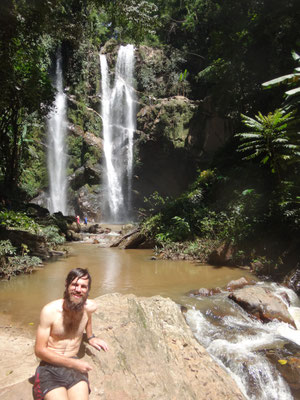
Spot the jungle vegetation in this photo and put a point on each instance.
(244, 55)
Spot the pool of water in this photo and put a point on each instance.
(112, 270)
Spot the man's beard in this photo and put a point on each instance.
(71, 305)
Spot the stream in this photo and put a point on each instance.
(247, 349)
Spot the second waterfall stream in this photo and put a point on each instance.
(118, 113)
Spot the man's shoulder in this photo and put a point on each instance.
(53, 306)
(90, 306)
(50, 312)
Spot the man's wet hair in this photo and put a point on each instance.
(78, 273)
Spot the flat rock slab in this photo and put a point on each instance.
(152, 355)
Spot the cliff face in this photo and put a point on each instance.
(174, 136)
(152, 355)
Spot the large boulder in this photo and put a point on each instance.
(262, 303)
(152, 355)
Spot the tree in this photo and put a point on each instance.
(25, 88)
(132, 20)
(231, 47)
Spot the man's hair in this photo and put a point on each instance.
(78, 273)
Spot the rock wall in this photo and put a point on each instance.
(152, 355)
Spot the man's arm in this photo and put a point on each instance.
(92, 339)
(41, 345)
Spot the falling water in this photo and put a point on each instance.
(118, 117)
(56, 157)
(238, 343)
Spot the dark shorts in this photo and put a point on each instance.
(49, 377)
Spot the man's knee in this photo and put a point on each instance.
(57, 394)
(80, 391)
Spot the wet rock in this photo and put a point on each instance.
(222, 255)
(261, 303)
(292, 280)
(93, 228)
(75, 227)
(238, 284)
(288, 366)
(87, 204)
(73, 236)
(257, 266)
(204, 292)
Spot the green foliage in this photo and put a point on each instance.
(98, 26)
(293, 80)
(199, 249)
(205, 179)
(52, 235)
(75, 145)
(6, 248)
(18, 220)
(24, 262)
(26, 88)
(177, 230)
(180, 229)
(231, 47)
(153, 203)
(268, 140)
(182, 82)
(237, 222)
(153, 225)
(18, 264)
(11, 263)
(160, 70)
(133, 20)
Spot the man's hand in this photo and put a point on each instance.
(98, 344)
(82, 366)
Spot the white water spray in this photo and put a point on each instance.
(56, 157)
(119, 121)
(238, 342)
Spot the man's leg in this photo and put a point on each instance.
(57, 394)
(80, 391)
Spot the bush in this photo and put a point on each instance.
(18, 220)
(13, 264)
(6, 248)
(52, 235)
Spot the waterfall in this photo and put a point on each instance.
(56, 156)
(119, 120)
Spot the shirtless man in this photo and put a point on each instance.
(60, 375)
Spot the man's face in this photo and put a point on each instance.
(77, 293)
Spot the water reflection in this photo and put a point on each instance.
(112, 270)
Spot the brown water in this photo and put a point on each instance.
(112, 270)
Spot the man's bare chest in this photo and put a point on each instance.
(69, 326)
